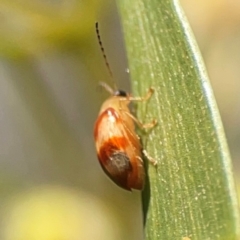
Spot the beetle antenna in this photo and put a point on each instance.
(106, 87)
(104, 54)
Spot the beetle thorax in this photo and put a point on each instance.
(121, 108)
(115, 103)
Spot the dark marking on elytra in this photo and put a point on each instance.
(115, 163)
(119, 162)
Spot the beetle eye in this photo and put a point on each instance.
(120, 93)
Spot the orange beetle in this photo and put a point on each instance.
(118, 146)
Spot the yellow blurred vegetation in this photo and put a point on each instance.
(54, 212)
(35, 27)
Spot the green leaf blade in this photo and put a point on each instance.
(191, 192)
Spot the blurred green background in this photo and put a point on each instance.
(51, 184)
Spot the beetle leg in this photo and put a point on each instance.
(140, 124)
(139, 99)
(150, 159)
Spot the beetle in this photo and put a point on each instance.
(119, 148)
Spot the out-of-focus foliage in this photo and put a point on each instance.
(48, 104)
(49, 213)
(35, 27)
